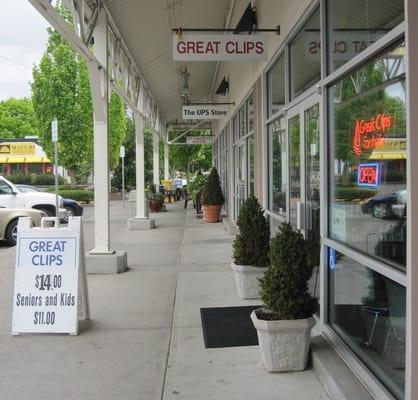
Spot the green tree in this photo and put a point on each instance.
(189, 158)
(117, 129)
(17, 118)
(60, 89)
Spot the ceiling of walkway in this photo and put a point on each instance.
(146, 27)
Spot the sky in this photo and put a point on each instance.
(23, 40)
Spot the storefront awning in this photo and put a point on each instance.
(15, 160)
(6, 159)
(37, 159)
(388, 155)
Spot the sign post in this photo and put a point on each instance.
(50, 294)
(122, 156)
(54, 137)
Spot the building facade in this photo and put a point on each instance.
(320, 137)
(23, 156)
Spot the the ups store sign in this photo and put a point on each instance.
(18, 148)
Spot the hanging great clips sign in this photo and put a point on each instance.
(205, 111)
(200, 47)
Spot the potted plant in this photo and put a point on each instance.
(284, 324)
(212, 197)
(195, 190)
(250, 248)
(155, 200)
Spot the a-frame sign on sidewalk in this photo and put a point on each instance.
(50, 294)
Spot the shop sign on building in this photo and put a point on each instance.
(199, 140)
(50, 280)
(18, 148)
(201, 47)
(206, 111)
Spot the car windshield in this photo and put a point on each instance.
(27, 189)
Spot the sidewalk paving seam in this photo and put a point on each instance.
(170, 339)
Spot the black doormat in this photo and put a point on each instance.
(228, 326)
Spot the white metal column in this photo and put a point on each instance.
(99, 91)
(141, 206)
(156, 160)
(412, 220)
(166, 162)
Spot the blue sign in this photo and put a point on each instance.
(368, 174)
(332, 258)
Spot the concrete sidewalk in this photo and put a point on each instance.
(145, 339)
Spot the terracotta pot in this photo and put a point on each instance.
(212, 213)
(154, 205)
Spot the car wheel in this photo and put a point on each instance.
(70, 213)
(380, 211)
(11, 233)
(47, 211)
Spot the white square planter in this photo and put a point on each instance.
(247, 280)
(284, 345)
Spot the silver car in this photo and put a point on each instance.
(9, 218)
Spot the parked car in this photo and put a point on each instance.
(73, 208)
(391, 205)
(12, 197)
(9, 218)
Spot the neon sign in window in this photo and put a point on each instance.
(368, 174)
(370, 134)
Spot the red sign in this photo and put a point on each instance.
(370, 134)
(368, 174)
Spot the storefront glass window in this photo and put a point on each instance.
(305, 57)
(250, 111)
(368, 204)
(368, 311)
(242, 122)
(277, 166)
(250, 148)
(235, 128)
(276, 87)
(356, 24)
(294, 167)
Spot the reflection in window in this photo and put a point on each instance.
(368, 149)
(250, 111)
(250, 148)
(242, 122)
(294, 168)
(368, 311)
(277, 159)
(356, 24)
(276, 87)
(305, 57)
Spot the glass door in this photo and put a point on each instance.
(240, 176)
(304, 178)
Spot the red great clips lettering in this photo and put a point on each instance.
(370, 134)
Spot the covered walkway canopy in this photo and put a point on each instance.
(128, 48)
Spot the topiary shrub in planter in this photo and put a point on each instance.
(212, 197)
(250, 248)
(284, 324)
(155, 200)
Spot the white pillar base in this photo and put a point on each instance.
(141, 224)
(112, 263)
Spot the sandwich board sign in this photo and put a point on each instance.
(50, 293)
